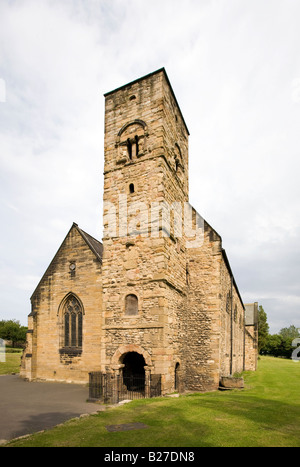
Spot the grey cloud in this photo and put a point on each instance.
(235, 69)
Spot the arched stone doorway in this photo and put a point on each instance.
(134, 371)
(122, 351)
(130, 376)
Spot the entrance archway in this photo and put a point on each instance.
(134, 371)
(177, 370)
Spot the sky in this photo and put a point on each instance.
(235, 69)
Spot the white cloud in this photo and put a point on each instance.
(2, 90)
(235, 70)
(296, 90)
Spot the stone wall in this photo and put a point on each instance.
(202, 337)
(214, 327)
(232, 322)
(186, 316)
(251, 336)
(144, 130)
(44, 358)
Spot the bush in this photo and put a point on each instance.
(10, 350)
(278, 346)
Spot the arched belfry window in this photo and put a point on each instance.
(72, 318)
(131, 305)
(129, 145)
(178, 158)
(131, 141)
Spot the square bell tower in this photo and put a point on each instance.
(144, 260)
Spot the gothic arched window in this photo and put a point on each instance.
(131, 305)
(72, 323)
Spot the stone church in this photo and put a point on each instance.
(157, 297)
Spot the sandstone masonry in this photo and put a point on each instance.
(150, 299)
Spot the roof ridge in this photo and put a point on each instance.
(89, 239)
(84, 235)
(89, 235)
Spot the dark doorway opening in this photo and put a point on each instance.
(134, 372)
(177, 369)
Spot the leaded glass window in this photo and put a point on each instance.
(72, 322)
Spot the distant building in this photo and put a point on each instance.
(251, 336)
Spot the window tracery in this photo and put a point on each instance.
(72, 323)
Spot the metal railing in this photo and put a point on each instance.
(107, 388)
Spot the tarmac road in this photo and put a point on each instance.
(28, 407)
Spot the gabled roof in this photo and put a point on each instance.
(226, 261)
(95, 246)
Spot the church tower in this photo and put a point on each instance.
(155, 308)
(144, 261)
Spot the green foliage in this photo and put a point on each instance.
(290, 332)
(12, 330)
(263, 328)
(281, 344)
(277, 345)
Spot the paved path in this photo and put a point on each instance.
(27, 407)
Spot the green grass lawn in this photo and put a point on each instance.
(12, 362)
(265, 413)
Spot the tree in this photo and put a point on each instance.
(263, 329)
(272, 345)
(13, 331)
(291, 332)
(278, 346)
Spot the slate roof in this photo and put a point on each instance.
(94, 244)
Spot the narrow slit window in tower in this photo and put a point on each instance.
(129, 149)
(137, 145)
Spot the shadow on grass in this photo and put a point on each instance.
(249, 415)
(40, 422)
(236, 419)
(198, 420)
